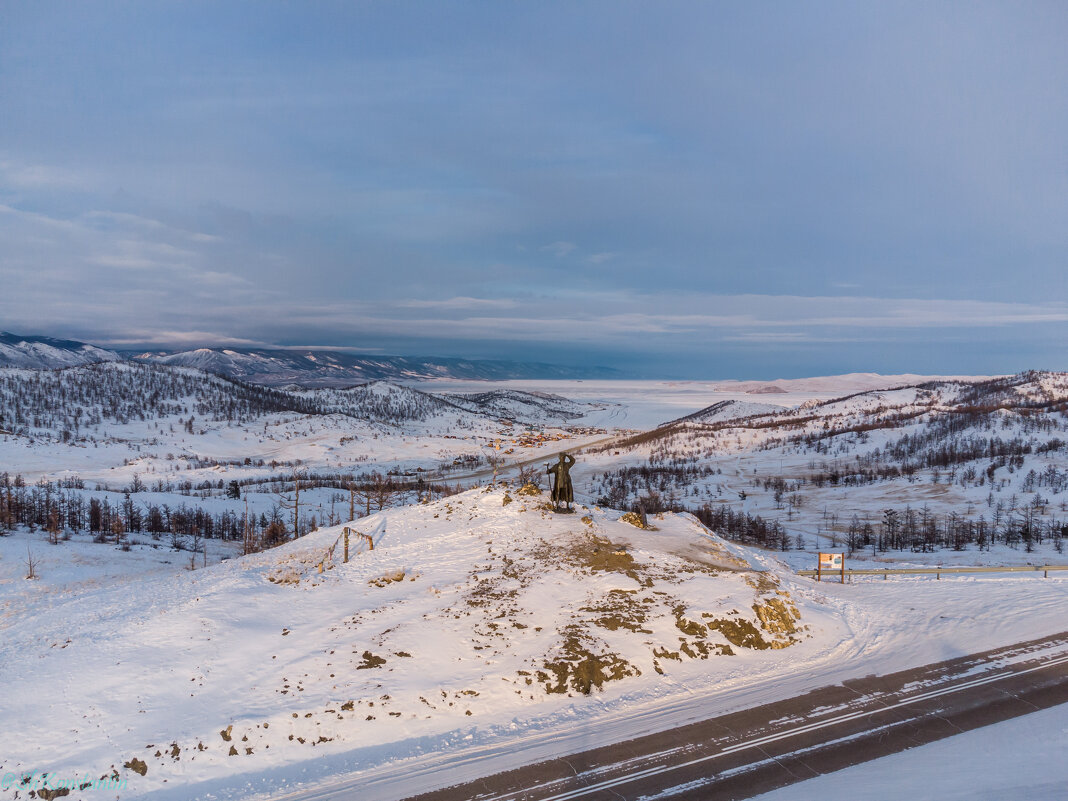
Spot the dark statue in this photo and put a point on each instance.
(563, 491)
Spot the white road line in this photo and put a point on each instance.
(759, 741)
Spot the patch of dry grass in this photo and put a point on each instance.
(387, 578)
(620, 609)
(578, 667)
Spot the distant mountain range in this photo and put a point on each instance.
(277, 367)
(45, 353)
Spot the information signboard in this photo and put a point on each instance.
(830, 561)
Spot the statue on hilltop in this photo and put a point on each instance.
(563, 491)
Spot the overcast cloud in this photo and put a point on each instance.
(678, 189)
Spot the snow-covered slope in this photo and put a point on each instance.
(839, 384)
(385, 402)
(732, 410)
(470, 611)
(524, 407)
(71, 400)
(944, 469)
(45, 353)
(478, 620)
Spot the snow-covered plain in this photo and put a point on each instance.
(645, 404)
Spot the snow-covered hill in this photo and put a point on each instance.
(847, 383)
(524, 407)
(478, 619)
(45, 353)
(941, 465)
(62, 404)
(383, 401)
(329, 368)
(732, 410)
(176, 428)
(278, 367)
(469, 611)
(49, 403)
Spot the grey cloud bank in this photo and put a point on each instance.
(698, 190)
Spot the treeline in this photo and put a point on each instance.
(743, 527)
(64, 507)
(904, 457)
(739, 526)
(921, 531)
(64, 510)
(619, 485)
(908, 529)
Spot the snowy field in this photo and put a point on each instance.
(646, 404)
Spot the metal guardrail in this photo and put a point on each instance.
(937, 571)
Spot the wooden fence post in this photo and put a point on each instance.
(346, 530)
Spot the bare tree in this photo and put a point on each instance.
(176, 537)
(530, 474)
(274, 534)
(194, 547)
(53, 527)
(294, 504)
(118, 530)
(360, 495)
(495, 461)
(364, 494)
(383, 490)
(31, 564)
(249, 544)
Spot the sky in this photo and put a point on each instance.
(681, 190)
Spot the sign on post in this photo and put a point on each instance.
(830, 561)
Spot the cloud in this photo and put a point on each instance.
(376, 181)
(560, 249)
(458, 303)
(177, 340)
(36, 176)
(127, 277)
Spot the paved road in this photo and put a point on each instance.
(539, 459)
(756, 750)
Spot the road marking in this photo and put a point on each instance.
(759, 741)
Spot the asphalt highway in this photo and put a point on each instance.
(753, 751)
